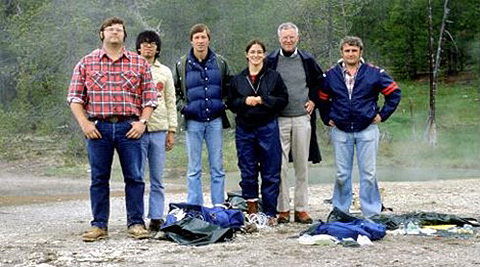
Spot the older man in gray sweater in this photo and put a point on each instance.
(303, 78)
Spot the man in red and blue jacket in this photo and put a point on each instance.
(349, 105)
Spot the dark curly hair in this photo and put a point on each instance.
(150, 37)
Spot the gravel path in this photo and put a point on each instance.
(48, 234)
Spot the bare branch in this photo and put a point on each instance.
(453, 40)
(446, 10)
(136, 11)
(345, 32)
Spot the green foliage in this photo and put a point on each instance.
(395, 35)
(405, 35)
(475, 48)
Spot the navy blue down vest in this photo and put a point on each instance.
(204, 93)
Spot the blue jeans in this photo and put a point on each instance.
(100, 154)
(259, 151)
(153, 149)
(365, 143)
(211, 132)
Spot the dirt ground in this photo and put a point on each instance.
(42, 220)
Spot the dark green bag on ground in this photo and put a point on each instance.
(193, 231)
(392, 221)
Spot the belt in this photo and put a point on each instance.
(115, 119)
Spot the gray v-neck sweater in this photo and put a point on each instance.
(293, 74)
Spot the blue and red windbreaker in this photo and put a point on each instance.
(357, 113)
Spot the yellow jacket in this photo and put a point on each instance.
(164, 118)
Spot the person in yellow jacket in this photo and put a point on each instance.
(161, 127)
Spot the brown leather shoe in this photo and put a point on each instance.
(284, 217)
(252, 206)
(137, 231)
(303, 217)
(94, 234)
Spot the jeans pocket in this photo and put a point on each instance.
(369, 134)
(338, 135)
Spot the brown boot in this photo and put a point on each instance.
(284, 217)
(252, 206)
(137, 231)
(303, 217)
(94, 234)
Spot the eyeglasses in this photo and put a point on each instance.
(148, 44)
(112, 29)
(259, 52)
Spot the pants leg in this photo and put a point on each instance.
(246, 143)
(270, 165)
(214, 140)
(195, 135)
(156, 163)
(367, 145)
(131, 159)
(301, 132)
(285, 129)
(100, 155)
(343, 146)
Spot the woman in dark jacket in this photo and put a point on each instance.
(256, 95)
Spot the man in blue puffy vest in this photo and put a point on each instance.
(349, 105)
(201, 81)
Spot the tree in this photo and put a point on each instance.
(431, 132)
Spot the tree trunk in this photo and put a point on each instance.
(431, 131)
(412, 118)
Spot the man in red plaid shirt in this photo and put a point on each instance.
(112, 96)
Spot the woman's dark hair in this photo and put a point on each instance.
(255, 41)
(149, 37)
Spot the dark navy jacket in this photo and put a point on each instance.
(315, 79)
(268, 85)
(357, 113)
(203, 83)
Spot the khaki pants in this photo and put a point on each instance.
(294, 135)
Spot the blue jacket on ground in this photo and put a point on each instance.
(341, 230)
(357, 113)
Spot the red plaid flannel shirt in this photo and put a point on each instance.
(112, 88)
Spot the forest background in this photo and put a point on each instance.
(41, 41)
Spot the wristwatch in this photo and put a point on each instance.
(144, 121)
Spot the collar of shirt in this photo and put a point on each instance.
(294, 53)
(123, 54)
(156, 63)
(210, 56)
(340, 61)
(349, 79)
(345, 71)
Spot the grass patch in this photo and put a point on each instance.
(457, 116)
